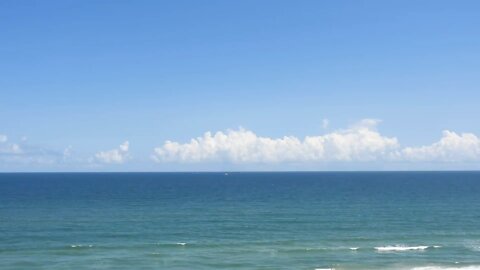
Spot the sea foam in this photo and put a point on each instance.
(400, 248)
(80, 246)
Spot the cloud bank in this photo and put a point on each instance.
(118, 155)
(359, 143)
(360, 146)
(27, 154)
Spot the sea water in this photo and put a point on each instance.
(325, 220)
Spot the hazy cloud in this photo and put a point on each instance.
(325, 123)
(118, 155)
(7, 149)
(22, 153)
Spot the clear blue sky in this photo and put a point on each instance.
(90, 75)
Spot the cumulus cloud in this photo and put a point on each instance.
(118, 155)
(452, 147)
(3, 138)
(361, 142)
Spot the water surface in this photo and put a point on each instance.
(361, 220)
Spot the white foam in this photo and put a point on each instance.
(471, 267)
(324, 268)
(354, 248)
(181, 243)
(400, 248)
(79, 246)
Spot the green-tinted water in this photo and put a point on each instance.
(240, 221)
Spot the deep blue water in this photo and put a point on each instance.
(352, 220)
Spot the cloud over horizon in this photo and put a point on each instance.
(360, 146)
(24, 153)
(118, 155)
(359, 143)
(452, 147)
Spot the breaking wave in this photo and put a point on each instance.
(400, 248)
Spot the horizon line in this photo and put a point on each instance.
(290, 171)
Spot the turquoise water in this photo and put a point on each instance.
(387, 220)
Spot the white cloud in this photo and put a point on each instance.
(452, 147)
(15, 149)
(360, 142)
(22, 153)
(67, 152)
(367, 123)
(9, 148)
(119, 155)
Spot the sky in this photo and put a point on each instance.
(239, 85)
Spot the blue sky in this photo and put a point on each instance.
(81, 78)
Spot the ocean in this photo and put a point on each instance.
(295, 220)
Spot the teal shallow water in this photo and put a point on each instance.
(417, 220)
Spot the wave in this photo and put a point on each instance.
(400, 248)
(328, 248)
(81, 246)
